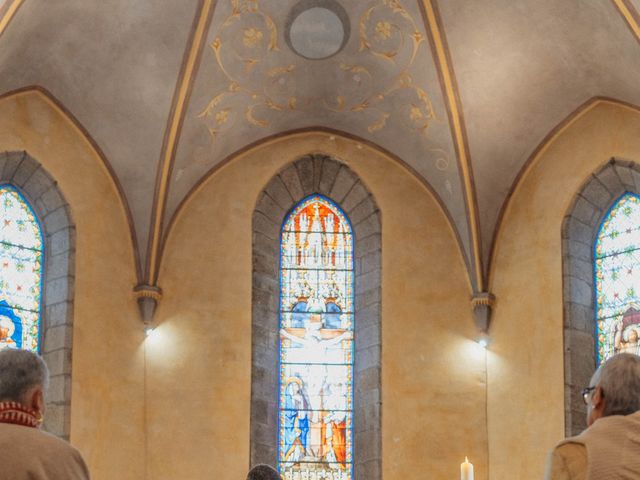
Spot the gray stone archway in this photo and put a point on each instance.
(308, 175)
(579, 229)
(41, 191)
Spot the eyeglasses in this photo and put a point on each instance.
(586, 393)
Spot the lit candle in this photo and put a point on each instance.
(466, 470)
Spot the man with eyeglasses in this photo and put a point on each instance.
(610, 447)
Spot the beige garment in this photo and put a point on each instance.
(29, 454)
(608, 450)
(568, 461)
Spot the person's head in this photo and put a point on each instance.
(24, 378)
(295, 388)
(313, 325)
(263, 472)
(615, 388)
(633, 336)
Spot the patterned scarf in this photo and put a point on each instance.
(13, 412)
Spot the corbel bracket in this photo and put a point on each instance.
(482, 304)
(148, 298)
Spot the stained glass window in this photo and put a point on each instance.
(316, 343)
(21, 253)
(617, 274)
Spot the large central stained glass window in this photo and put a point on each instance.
(316, 343)
(617, 275)
(21, 252)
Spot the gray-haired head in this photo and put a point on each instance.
(619, 379)
(263, 472)
(21, 371)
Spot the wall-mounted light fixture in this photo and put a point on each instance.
(482, 304)
(484, 340)
(148, 298)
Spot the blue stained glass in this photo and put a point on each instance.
(21, 256)
(617, 278)
(316, 343)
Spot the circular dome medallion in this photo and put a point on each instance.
(317, 29)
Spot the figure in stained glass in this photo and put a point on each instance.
(10, 327)
(617, 278)
(7, 330)
(625, 338)
(296, 421)
(21, 253)
(316, 343)
(335, 425)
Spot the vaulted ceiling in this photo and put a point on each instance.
(461, 92)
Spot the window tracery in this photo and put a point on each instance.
(316, 342)
(617, 278)
(320, 176)
(21, 260)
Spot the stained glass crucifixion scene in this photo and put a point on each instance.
(316, 343)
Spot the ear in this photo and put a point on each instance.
(36, 400)
(596, 397)
(597, 400)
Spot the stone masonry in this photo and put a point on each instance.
(41, 191)
(309, 175)
(579, 230)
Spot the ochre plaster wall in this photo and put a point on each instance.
(107, 422)
(526, 379)
(433, 375)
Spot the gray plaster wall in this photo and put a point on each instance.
(308, 175)
(539, 65)
(42, 192)
(580, 227)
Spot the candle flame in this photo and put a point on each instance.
(466, 460)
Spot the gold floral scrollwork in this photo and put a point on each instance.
(379, 124)
(263, 83)
(252, 37)
(383, 30)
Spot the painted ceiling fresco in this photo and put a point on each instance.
(462, 92)
(381, 86)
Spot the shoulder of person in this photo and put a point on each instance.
(63, 448)
(568, 460)
(58, 444)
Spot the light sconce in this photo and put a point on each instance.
(484, 340)
(482, 304)
(149, 331)
(148, 298)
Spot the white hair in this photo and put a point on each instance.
(20, 371)
(619, 379)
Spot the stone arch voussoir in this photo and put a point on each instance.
(335, 180)
(579, 229)
(53, 212)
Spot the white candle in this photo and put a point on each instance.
(466, 470)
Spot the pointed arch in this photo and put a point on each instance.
(617, 279)
(46, 208)
(553, 135)
(316, 340)
(332, 134)
(21, 272)
(317, 177)
(590, 314)
(59, 107)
